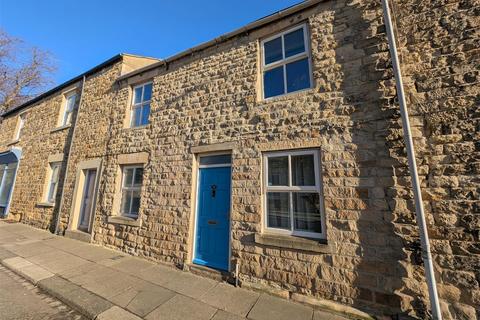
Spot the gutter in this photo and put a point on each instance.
(412, 165)
(218, 40)
(57, 222)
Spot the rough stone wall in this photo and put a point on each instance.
(92, 129)
(440, 54)
(37, 142)
(372, 260)
(349, 115)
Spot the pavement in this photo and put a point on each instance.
(103, 284)
(19, 299)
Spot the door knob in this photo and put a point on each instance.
(214, 190)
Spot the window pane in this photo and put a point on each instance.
(55, 169)
(306, 212)
(298, 75)
(126, 200)
(138, 176)
(221, 159)
(127, 177)
(303, 170)
(71, 102)
(278, 210)
(137, 117)
(273, 50)
(2, 171)
(147, 92)
(278, 171)
(294, 43)
(137, 95)
(273, 82)
(51, 192)
(8, 183)
(145, 114)
(67, 119)
(135, 202)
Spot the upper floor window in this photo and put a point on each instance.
(293, 195)
(132, 179)
(142, 95)
(68, 109)
(20, 124)
(53, 181)
(286, 62)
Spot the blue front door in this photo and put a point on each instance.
(213, 218)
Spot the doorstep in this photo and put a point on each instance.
(207, 272)
(78, 235)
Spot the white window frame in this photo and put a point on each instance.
(51, 194)
(284, 61)
(20, 125)
(141, 104)
(68, 109)
(317, 188)
(130, 188)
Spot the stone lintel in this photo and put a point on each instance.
(133, 158)
(213, 147)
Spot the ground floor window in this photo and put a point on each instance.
(132, 179)
(293, 199)
(53, 181)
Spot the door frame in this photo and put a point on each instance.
(78, 191)
(17, 152)
(86, 182)
(196, 179)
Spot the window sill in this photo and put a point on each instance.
(60, 128)
(125, 221)
(293, 242)
(135, 128)
(13, 142)
(46, 204)
(285, 96)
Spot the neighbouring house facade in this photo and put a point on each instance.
(275, 154)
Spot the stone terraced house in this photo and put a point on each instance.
(275, 155)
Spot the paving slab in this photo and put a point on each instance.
(86, 273)
(234, 300)
(190, 285)
(6, 254)
(95, 253)
(35, 273)
(131, 265)
(148, 299)
(223, 315)
(111, 284)
(116, 313)
(82, 300)
(82, 269)
(57, 261)
(16, 263)
(31, 249)
(124, 298)
(269, 307)
(158, 274)
(182, 308)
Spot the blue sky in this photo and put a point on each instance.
(82, 34)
